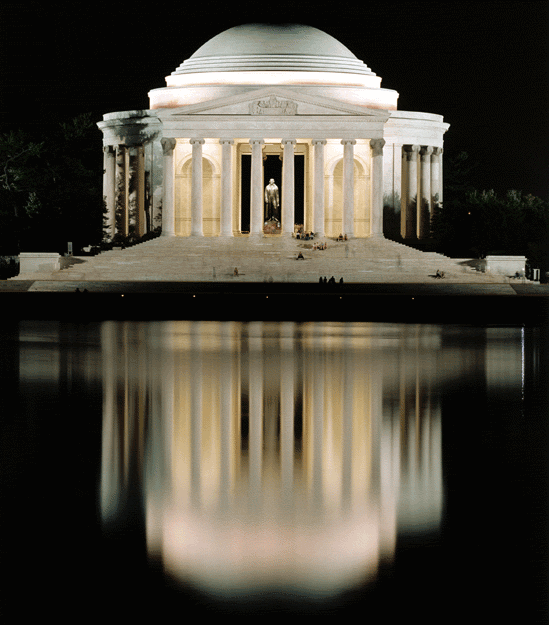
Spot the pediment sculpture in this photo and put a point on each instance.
(273, 106)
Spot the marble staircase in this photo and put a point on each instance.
(268, 258)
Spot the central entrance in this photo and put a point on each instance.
(272, 169)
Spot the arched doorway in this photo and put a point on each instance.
(334, 200)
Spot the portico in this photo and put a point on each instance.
(344, 158)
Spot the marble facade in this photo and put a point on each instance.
(194, 161)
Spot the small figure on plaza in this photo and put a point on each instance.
(272, 200)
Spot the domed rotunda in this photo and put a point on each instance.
(270, 129)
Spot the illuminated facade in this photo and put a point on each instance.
(263, 101)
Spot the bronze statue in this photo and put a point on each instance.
(272, 201)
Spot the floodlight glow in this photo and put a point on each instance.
(273, 78)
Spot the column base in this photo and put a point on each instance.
(377, 235)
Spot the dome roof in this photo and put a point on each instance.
(273, 47)
(247, 57)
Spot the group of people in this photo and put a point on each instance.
(342, 237)
(320, 246)
(305, 236)
(332, 280)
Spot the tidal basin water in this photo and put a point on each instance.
(151, 467)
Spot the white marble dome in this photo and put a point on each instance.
(278, 47)
(251, 56)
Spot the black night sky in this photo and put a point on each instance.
(482, 65)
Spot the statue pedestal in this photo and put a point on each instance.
(271, 227)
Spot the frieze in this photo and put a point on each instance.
(273, 106)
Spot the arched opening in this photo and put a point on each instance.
(334, 206)
(210, 199)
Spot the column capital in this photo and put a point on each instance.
(426, 151)
(437, 151)
(319, 142)
(288, 141)
(226, 141)
(348, 141)
(411, 151)
(195, 141)
(168, 145)
(108, 149)
(256, 141)
(377, 146)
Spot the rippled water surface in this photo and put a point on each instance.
(151, 467)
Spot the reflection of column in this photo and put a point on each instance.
(318, 194)
(168, 207)
(287, 423)
(348, 187)
(425, 204)
(109, 165)
(317, 373)
(376, 181)
(227, 357)
(256, 423)
(196, 188)
(196, 416)
(288, 187)
(347, 429)
(226, 188)
(256, 191)
(111, 484)
(409, 217)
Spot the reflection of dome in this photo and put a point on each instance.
(264, 47)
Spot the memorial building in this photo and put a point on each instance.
(268, 129)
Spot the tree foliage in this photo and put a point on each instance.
(50, 187)
(476, 223)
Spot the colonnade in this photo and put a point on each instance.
(422, 189)
(128, 193)
(287, 192)
(127, 171)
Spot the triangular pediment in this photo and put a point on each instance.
(276, 102)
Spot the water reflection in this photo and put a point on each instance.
(269, 456)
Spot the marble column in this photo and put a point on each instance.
(409, 217)
(256, 192)
(288, 186)
(121, 192)
(425, 205)
(109, 166)
(436, 176)
(226, 229)
(196, 188)
(168, 198)
(376, 188)
(318, 189)
(348, 216)
(141, 222)
(133, 191)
